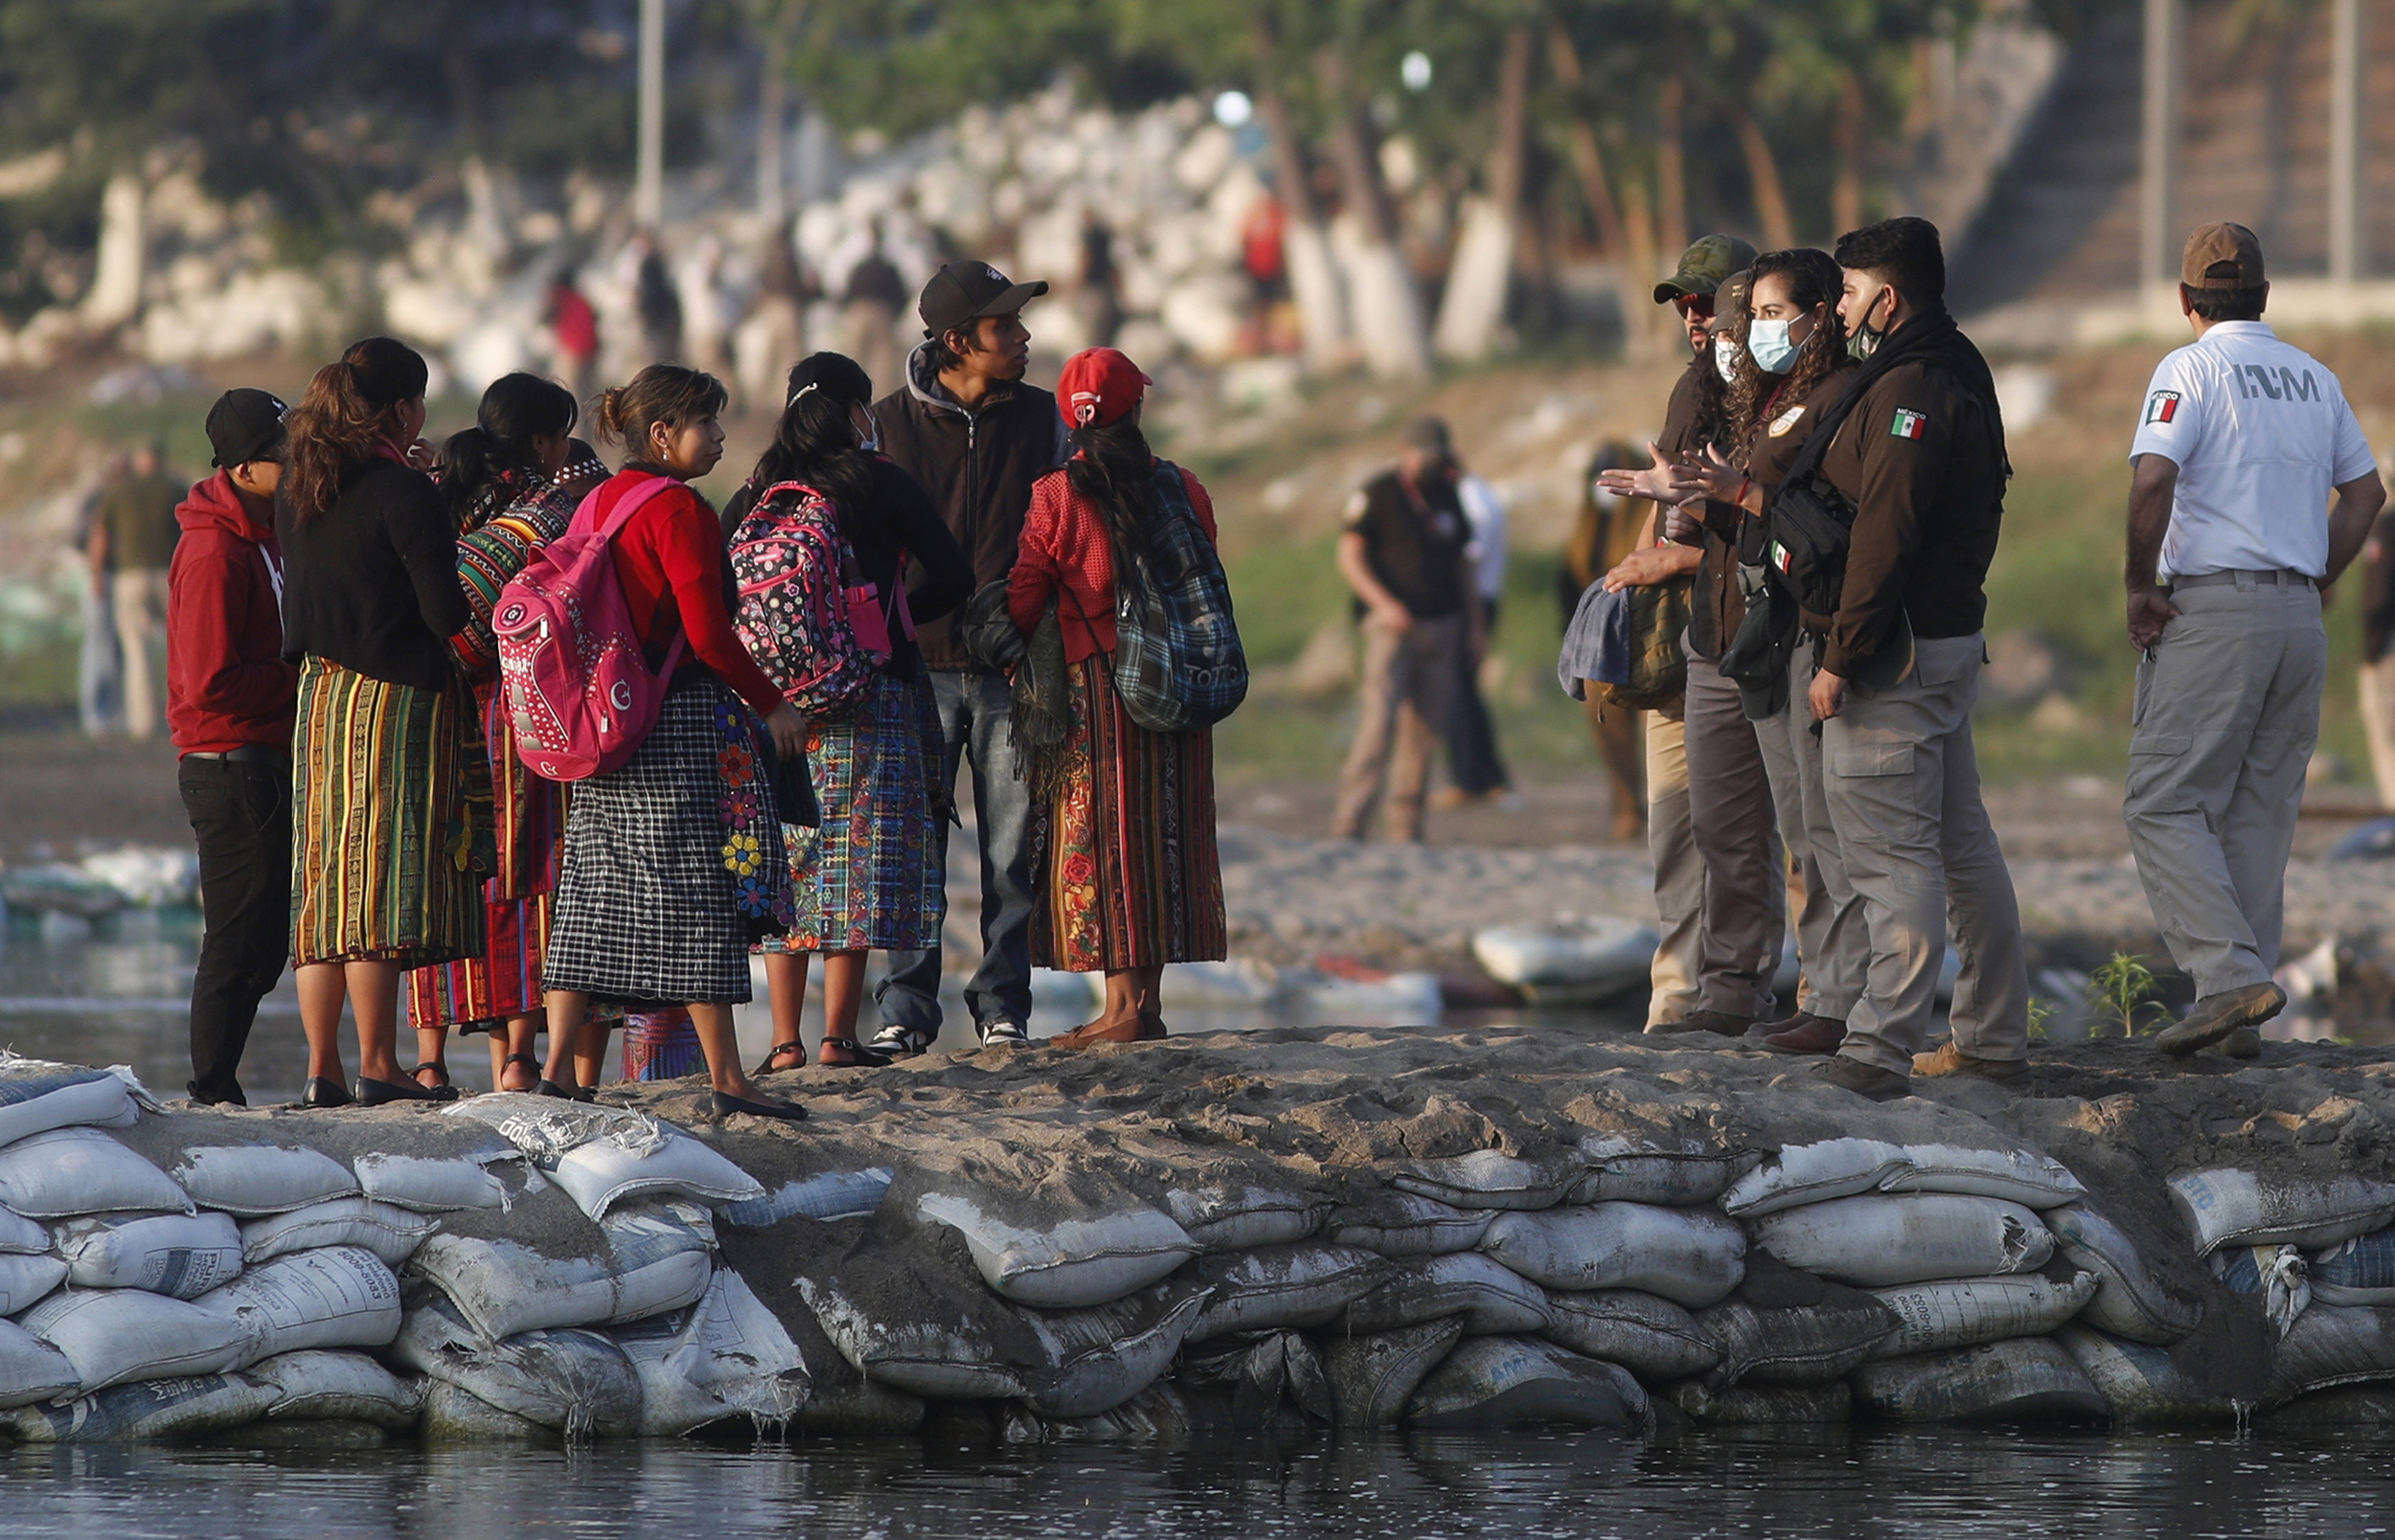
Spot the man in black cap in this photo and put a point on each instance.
(965, 425)
(230, 702)
(1405, 550)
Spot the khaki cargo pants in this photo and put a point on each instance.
(1903, 783)
(2227, 711)
(1408, 685)
(1832, 939)
(1745, 896)
(1679, 873)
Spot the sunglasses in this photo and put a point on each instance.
(1699, 305)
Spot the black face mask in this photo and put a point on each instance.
(1865, 338)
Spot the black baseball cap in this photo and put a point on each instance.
(245, 424)
(966, 292)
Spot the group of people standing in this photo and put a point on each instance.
(1830, 484)
(865, 616)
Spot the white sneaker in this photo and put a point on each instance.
(1005, 1034)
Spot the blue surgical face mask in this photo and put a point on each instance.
(1726, 352)
(1768, 344)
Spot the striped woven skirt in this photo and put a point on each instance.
(390, 821)
(869, 877)
(1129, 877)
(648, 911)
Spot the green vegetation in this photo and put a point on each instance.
(2121, 995)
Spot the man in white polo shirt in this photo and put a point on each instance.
(2230, 537)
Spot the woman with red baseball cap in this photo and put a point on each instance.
(1125, 847)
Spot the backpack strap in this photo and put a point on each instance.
(586, 516)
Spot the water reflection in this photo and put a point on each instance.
(1955, 1484)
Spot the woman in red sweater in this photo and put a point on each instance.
(1129, 877)
(674, 861)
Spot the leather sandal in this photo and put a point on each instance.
(795, 1051)
(848, 1053)
(441, 1088)
(519, 1058)
(564, 1093)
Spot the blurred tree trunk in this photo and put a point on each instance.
(1313, 277)
(1762, 172)
(1384, 301)
(1472, 309)
(1671, 169)
(1631, 253)
(1846, 188)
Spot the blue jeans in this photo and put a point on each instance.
(975, 710)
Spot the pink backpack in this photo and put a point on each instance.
(577, 685)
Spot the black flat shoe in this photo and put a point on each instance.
(564, 1093)
(382, 1093)
(322, 1092)
(784, 1111)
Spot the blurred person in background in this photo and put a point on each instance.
(2377, 672)
(965, 425)
(100, 668)
(390, 794)
(1475, 770)
(1405, 550)
(657, 300)
(133, 535)
(574, 327)
(230, 703)
(512, 481)
(870, 301)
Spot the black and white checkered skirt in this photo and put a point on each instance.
(646, 909)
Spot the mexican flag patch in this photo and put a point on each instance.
(1781, 556)
(2162, 406)
(1908, 423)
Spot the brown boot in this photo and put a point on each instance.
(1805, 1034)
(1107, 1028)
(1950, 1059)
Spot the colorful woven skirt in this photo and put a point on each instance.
(661, 1044)
(869, 877)
(390, 821)
(1129, 877)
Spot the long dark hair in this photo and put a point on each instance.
(350, 406)
(1814, 281)
(1116, 471)
(815, 442)
(475, 465)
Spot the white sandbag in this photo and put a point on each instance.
(25, 1280)
(181, 1256)
(115, 1335)
(1959, 1312)
(1505, 1382)
(1786, 1327)
(388, 1231)
(453, 1415)
(31, 1369)
(1761, 1406)
(1404, 1224)
(431, 1184)
(602, 1155)
(1690, 1256)
(2129, 1300)
(2024, 1379)
(1238, 1215)
(251, 1180)
(2232, 1207)
(68, 1172)
(1907, 1238)
(1099, 1358)
(724, 1357)
(21, 1237)
(502, 1288)
(827, 1196)
(1491, 1179)
(1284, 1287)
(1157, 1415)
(1374, 1375)
(575, 1382)
(333, 1297)
(183, 1407)
(1576, 959)
(660, 1253)
(1670, 1172)
(2331, 1345)
(37, 1097)
(2142, 1383)
(1491, 1298)
(1066, 1263)
(1645, 1333)
(2361, 1271)
(2016, 1176)
(2278, 1274)
(1812, 1173)
(319, 1385)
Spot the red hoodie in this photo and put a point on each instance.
(227, 684)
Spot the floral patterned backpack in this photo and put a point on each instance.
(794, 566)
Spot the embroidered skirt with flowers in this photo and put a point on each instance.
(1129, 874)
(870, 878)
(674, 861)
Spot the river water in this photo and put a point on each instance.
(1949, 1485)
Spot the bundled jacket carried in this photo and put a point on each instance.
(978, 466)
(227, 683)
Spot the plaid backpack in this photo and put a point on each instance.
(1177, 661)
(790, 556)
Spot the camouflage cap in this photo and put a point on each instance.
(1703, 266)
(2222, 256)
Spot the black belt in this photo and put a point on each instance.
(246, 753)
